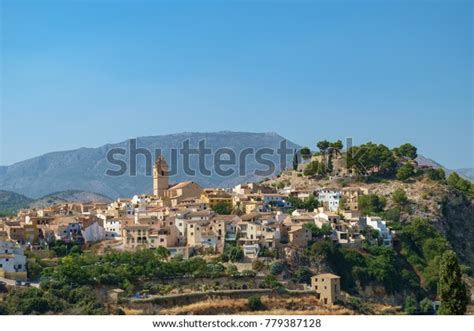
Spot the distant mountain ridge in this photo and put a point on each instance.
(464, 172)
(11, 202)
(84, 169)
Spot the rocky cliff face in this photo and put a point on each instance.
(456, 221)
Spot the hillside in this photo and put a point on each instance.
(85, 168)
(11, 202)
(449, 210)
(68, 196)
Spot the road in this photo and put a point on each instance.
(11, 282)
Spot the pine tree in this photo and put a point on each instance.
(451, 289)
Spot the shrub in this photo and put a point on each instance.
(426, 307)
(410, 306)
(255, 303)
(399, 197)
(406, 171)
(277, 268)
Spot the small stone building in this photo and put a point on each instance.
(327, 287)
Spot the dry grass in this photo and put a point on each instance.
(307, 305)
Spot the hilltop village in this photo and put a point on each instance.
(271, 224)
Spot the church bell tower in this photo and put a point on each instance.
(160, 177)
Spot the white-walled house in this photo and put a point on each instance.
(329, 198)
(12, 261)
(113, 229)
(93, 232)
(380, 225)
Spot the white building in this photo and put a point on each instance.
(113, 229)
(329, 199)
(93, 232)
(380, 225)
(12, 260)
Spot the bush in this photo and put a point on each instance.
(410, 306)
(400, 198)
(255, 303)
(303, 275)
(406, 171)
(371, 204)
(393, 214)
(232, 253)
(426, 307)
(436, 174)
(455, 181)
(277, 268)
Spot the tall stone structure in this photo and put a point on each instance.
(160, 177)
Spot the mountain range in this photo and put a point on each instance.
(84, 169)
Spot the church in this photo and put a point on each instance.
(172, 195)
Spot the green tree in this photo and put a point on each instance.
(436, 174)
(406, 150)
(303, 275)
(426, 306)
(222, 208)
(451, 289)
(406, 171)
(399, 197)
(393, 214)
(323, 146)
(233, 253)
(457, 182)
(277, 267)
(410, 306)
(371, 204)
(326, 229)
(232, 270)
(305, 153)
(336, 147)
(371, 158)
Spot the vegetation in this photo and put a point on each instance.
(232, 253)
(308, 204)
(317, 232)
(406, 171)
(277, 267)
(371, 204)
(436, 174)
(315, 168)
(255, 303)
(422, 246)
(451, 289)
(222, 208)
(305, 153)
(376, 264)
(11, 202)
(457, 182)
(302, 275)
(406, 151)
(371, 158)
(400, 198)
(411, 305)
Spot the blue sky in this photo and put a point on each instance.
(86, 73)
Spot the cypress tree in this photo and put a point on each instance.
(451, 289)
